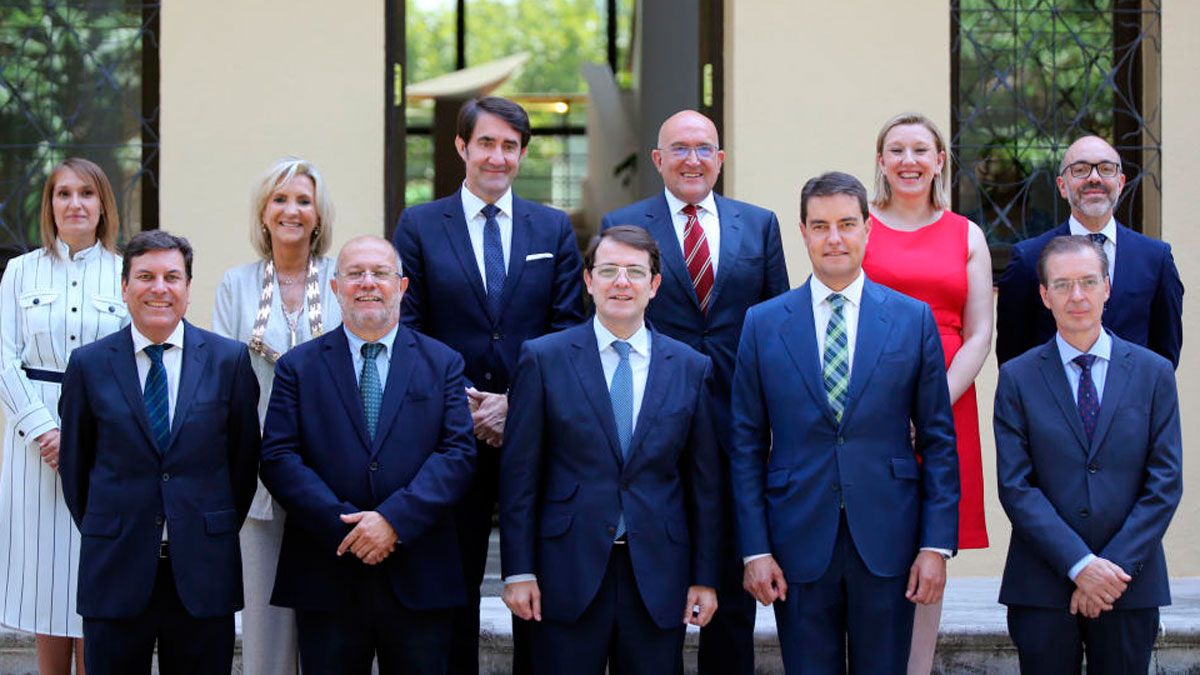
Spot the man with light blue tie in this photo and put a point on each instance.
(606, 478)
(488, 271)
(844, 469)
(1089, 461)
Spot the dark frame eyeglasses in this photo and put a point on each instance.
(1105, 169)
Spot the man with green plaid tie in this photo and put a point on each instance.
(843, 523)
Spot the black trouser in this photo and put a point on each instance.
(1053, 642)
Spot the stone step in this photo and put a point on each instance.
(973, 639)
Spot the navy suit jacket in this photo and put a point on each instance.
(750, 269)
(793, 464)
(1146, 306)
(1066, 497)
(446, 298)
(121, 488)
(564, 484)
(319, 463)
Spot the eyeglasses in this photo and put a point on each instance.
(704, 151)
(611, 272)
(1065, 286)
(358, 276)
(1084, 169)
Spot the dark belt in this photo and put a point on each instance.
(164, 551)
(43, 375)
(623, 539)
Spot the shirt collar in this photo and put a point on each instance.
(852, 293)
(472, 204)
(356, 342)
(1109, 230)
(1101, 348)
(675, 204)
(639, 341)
(140, 341)
(64, 251)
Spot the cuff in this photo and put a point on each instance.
(748, 559)
(33, 422)
(1078, 567)
(517, 578)
(944, 552)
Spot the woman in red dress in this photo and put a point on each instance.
(922, 249)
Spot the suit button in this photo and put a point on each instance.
(1084, 513)
(158, 520)
(841, 441)
(624, 485)
(487, 376)
(707, 332)
(37, 301)
(166, 477)
(612, 531)
(74, 309)
(21, 434)
(374, 466)
(72, 338)
(497, 335)
(1092, 468)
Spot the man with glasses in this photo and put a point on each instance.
(606, 480)
(720, 257)
(368, 445)
(1147, 296)
(1089, 464)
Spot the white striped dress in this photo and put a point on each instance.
(48, 307)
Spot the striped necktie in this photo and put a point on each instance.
(836, 360)
(157, 398)
(369, 387)
(697, 257)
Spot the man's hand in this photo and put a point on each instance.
(701, 605)
(48, 445)
(524, 599)
(1081, 604)
(764, 580)
(488, 412)
(372, 538)
(926, 578)
(1102, 582)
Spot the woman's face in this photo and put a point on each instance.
(911, 160)
(290, 215)
(76, 205)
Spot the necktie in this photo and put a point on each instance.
(369, 388)
(1087, 400)
(695, 253)
(836, 360)
(1098, 237)
(157, 398)
(621, 393)
(493, 257)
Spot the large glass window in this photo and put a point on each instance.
(1029, 77)
(77, 79)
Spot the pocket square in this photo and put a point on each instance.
(538, 256)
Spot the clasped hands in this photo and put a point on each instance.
(524, 599)
(372, 540)
(488, 412)
(1097, 586)
(764, 579)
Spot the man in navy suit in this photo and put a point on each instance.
(1147, 296)
(1090, 469)
(843, 523)
(158, 462)
(367, 445)
(721, 257)
(487, 272)
(607, 476)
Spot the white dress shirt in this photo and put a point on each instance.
(472, 207)
(1102, 350)
(382, 361)
(1110, 243)
(706, 213)
(172, 363)
(823, 312)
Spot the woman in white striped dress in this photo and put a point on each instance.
(61, 296)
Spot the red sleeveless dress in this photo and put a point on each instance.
(930, 265)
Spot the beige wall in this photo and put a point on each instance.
(806, 94)
(244, 83)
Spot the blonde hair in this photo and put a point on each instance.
(282, 171)
(109, 224)
(939, 192)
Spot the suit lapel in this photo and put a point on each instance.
(871, 334)
(125, 373)
(519, 248)
(1120, 364)
(661, 363)
(730, 218)
(1122, 272)
(591, 379)
(400, 368)
(799, 335)
(660, 224)
(455, 224)
(1060, 390)
(335, 352)
(196, 355)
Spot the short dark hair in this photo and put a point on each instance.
(833, 183)
(1070, 244)
(630, 235)
(155, 240)
(512, 114)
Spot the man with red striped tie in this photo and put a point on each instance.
(719, 257)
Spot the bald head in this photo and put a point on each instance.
(1092, 146)
(368, 242)
(688, 155)
(1094, 195)
(369, 286)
